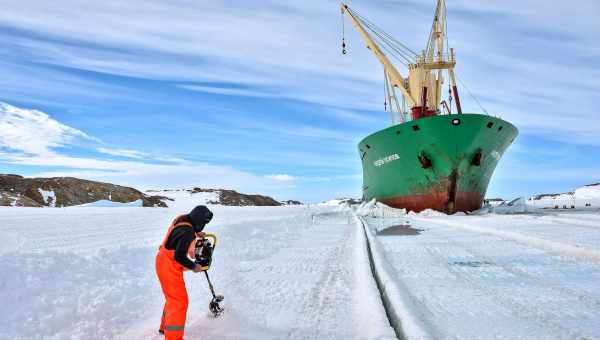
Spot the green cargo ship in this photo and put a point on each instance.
(432, 157)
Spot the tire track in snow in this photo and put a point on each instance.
(571, 222)
(328, 290)
(344, 289)
(579, 253)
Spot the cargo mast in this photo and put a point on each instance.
(422, 89)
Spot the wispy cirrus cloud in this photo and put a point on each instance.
(128, 153)
(532, 46)
(229, 91)
(282, 177)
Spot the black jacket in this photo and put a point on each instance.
(180, 240)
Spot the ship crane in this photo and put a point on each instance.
(422, 89)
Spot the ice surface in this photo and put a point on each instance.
(111, 204)
(88, 273)
(528, 276)
(301, 272)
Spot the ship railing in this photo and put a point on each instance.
(445, 58)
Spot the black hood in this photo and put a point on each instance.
(200, 216)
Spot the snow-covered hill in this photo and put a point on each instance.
(340, 202)
(17, 190)
(587, 196)
(583, 198)
(218, 197)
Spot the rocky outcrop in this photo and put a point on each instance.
(10, 199)
(68, 191)
(231, 197)
(291, 202)
(234, 198)
(221, 197)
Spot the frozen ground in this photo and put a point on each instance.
(496, 276)
(301, 272)
(88, 273)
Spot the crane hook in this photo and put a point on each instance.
(343, 32)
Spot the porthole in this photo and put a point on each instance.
(398, 132)
(416, 128)
(500, 129)
(489, 125)
(368, 146)
(455, 121)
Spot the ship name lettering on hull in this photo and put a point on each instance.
(384, 160)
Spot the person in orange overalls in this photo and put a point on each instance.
(172, 259)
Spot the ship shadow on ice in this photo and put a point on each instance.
(399, 230)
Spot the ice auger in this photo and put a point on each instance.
(203, 254)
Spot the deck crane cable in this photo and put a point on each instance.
(472, 96)
(387, 44)
(392, 51)
(391, 99)
(392, 54)
(385, 90)
(391, 45)
(374, 28)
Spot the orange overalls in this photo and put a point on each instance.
(170, 275)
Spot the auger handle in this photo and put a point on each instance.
(213, 237)
(212, 290)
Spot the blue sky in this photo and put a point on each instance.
(256, 96)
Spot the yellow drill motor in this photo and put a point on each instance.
(203, 254)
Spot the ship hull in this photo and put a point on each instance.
(443, 162)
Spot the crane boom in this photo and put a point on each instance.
(422, 88)
(395, 77)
